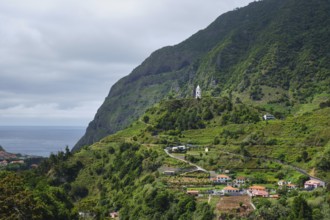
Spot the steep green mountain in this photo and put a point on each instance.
(272, 53)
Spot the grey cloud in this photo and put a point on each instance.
(59, 58)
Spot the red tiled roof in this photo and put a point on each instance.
(259, 193)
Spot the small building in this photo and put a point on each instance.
(177, 149)
(312, 184)
(193, 192)
(114, 214)
(282, 183)
(198, 94)
(169, 172)
(222, 178)
(240, 180)
(230, 190)
(257, 191)
(268, 116)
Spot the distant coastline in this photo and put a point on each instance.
(39, 140)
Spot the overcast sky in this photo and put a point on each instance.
(59, 58)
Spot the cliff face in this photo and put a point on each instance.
(272, 52)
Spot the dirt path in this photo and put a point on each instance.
(210, 197)
(183, 160)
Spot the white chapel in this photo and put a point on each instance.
(198, 93)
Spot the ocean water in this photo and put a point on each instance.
(39, 140)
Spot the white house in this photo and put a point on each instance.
(198, 93)
(114, 214)
(282, 183)
(222, 178)
(288, 184)
(230, 190)
(268, 116)
(312, 184)
(241, 180)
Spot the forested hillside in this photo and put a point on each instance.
(125, 172)
(272, 53)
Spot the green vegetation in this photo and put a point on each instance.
(187, 114)
(277, 59)
(29, 196)
(124, 172)
(269, 57)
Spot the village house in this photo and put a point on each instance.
(282, 183)
(257, 191)
(241, 180)
(114, 214)
(177, 149)
(288, 184)
(229, 190)
(312, 184)
(268, 116)
(221, 178)
(257, 188)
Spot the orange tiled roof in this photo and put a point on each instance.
(257, 187)
(230, 188)
(222, 176)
